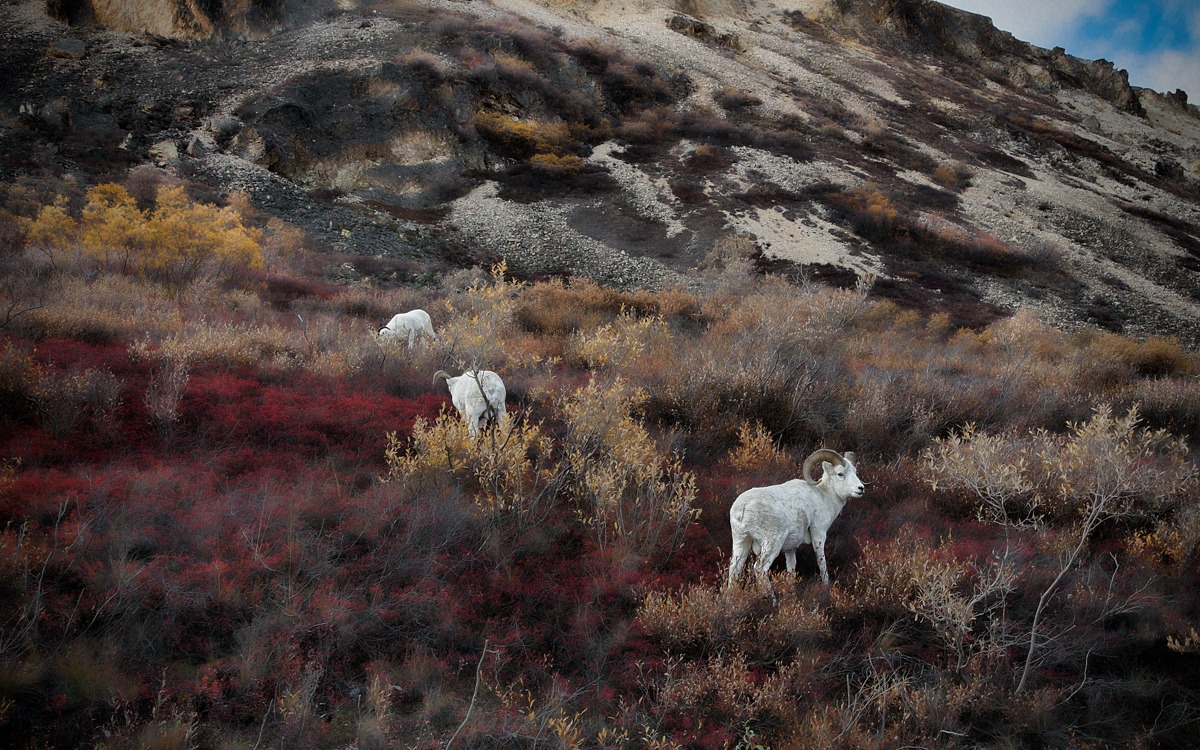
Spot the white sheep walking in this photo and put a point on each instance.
(780, 518)
(409, 325)
(478, 395)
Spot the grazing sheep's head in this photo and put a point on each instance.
(838, 470)
(443, 375)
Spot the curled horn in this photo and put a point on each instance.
(823, 454)
(440, 375)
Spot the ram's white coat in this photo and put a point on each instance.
(478, 395)
(781, 517)
(408, 325)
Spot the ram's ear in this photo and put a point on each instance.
(827, 468)
(849, 456)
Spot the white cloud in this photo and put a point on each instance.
(1051, 23)
(1164, 71)
(1046, 23)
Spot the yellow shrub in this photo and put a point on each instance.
(54, 231)
(756, 450)
(1107, 359)
(506, 470)
(226, 345)
(713, 619)
(113, 228)
(556, 308)
(176, 242)
(1162, 545)
(1185, 643)
(185, 239)
(886, 581)
(105, 308)
(724, 685)
(522, 139)
(1161, 355)
(875, 206)
(1107, 467)
(954, 176)
(1111, 461)
(558, 166)
(616, 343)
(627, 491)
(480, 319)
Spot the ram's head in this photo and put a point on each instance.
(839, 472)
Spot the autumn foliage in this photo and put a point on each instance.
(175, 243)
(235, 518)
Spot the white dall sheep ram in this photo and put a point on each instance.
(410, 325)
(780, 518)
(478, 395)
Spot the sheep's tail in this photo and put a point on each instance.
(738, 513)
(821, 454)
(440, 375)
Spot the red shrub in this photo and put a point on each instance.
(40, 495)
(301, 419)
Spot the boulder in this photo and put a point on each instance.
(164, 152)
(55, 114)
(67, 49)
(196, 147)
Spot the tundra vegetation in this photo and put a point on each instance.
(229, 518)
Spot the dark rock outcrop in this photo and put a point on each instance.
(936, 29)
(182, 19)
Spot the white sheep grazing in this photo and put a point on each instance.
(410, 325)
(780, 518)
(478, 395)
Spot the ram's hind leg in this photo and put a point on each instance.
(767, 552)
(741, 551)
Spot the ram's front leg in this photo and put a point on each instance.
(818, 543)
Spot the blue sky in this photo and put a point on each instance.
(1157, 41)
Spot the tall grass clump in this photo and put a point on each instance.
(507, 471)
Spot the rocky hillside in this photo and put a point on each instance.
(642, 144)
